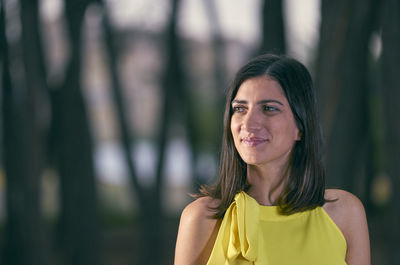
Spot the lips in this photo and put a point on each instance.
(253, 141)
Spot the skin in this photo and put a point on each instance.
(197, 233)
(264, 132)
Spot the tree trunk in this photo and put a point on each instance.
(25, 241)
(391, 94)
(79, 224)
(219, 70)
(149, 232)
(273, 28)
(342, 87)
(150, 199)
(172, 86)
(126, 135)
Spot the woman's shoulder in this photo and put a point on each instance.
(198, 217)
(347, 212)
(341, 202)
(343, 206)
(197, 231)
(200, 209)
(341, 196)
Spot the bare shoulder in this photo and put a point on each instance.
(197, 232)
(342, 203)
(200, 210)
(199, 214)
(343, 207)
(347, 212)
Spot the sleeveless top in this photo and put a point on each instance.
(251, 233)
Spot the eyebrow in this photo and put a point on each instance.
(259, 102)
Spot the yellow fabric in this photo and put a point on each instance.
(254, 234)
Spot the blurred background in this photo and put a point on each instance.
(111, 114)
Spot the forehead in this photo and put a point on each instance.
(262, 87)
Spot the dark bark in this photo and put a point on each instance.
(126, 137)
(149, 219)
(25, 241)
(219, 70)
(391, 94)
(172, 96)
(79, 223)
(342, 88)
(150, 199)
(273, 28)
(172, 84)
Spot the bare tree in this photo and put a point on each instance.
(273, 27)
(149, 198)
(144, 196)
(26, 240)
(172, 95)
(391, 94)
(219, 63)
(125, 131)
(342, 88)
(79, 223)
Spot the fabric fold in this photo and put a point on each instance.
(252, 234)
(243, 217)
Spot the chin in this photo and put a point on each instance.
(252, 160)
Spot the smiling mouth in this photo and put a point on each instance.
(253, 141)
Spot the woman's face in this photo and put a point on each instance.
(263, 127)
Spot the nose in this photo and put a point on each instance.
(251, 121)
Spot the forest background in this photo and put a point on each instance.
(111, 114)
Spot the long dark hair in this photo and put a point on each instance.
(305, 186)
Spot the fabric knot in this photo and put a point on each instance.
(242, 219)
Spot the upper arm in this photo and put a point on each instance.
(196, 234)
(349, 215)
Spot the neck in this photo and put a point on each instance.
(266, 183)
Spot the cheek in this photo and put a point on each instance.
(297, 134)
(234, 131)
(233, 127)
(288, 125)
(296, 131)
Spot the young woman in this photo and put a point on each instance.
(270, 205)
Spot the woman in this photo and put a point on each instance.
(270, 205)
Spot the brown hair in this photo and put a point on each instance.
(305, 185)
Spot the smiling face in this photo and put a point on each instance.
(262, 124)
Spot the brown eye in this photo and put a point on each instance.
(267, 108)
(238, 109)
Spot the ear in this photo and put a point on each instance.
(298, 135)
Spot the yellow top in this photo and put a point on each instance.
(251, 233)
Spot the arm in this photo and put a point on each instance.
(349, 215)
(197, 233)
